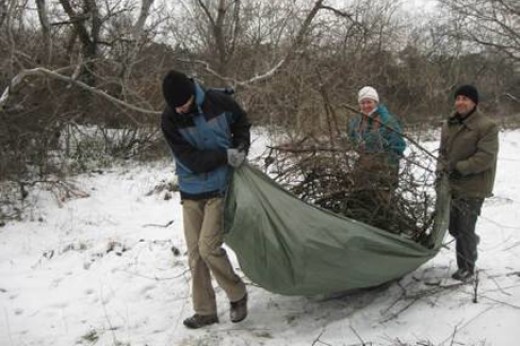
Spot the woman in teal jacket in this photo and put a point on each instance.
(376, 131)
(377, 138)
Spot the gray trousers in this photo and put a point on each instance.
(204, 236)
(464, 213)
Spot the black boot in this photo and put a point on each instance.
(197, 321)
(463, 275)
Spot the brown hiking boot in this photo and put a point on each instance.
(238, 310)
(197, 321)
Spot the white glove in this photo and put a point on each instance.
(235, 157)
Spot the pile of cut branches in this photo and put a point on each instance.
(331, 174)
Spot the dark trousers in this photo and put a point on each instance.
(463, 218)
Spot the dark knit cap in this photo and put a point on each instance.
(469, 91)
(177, 88)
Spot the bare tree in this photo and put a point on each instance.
(285, 57)
(137, 37)
(87, 25)
(224, 26)
(3, 12)
(223, 40)
(490, 23)
(46, 28)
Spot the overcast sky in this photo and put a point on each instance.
(420, 5)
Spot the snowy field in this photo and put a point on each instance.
(111, 269)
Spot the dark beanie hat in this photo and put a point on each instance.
(469, 91)
(177, 88)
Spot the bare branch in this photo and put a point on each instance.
(342, 14)
(40, 71)
(292, 51)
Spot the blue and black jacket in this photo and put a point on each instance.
(199, 141)
(374, 137)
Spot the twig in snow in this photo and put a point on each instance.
(415, 298)
(358, 336)
(111, 326)
(403, 294)
(395, 314)
(498, 301)
(317, 340)
(475, 288)
(499, 287)
(512, 247)
(155, 278)
(6, 315)
(452, 336)
(157, 225)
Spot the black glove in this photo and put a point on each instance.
(236, 157)
(450, 167)
(451, 171)
(454, 174)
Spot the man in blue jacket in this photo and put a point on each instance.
(209, 135)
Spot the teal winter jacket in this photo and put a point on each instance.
(379, 132)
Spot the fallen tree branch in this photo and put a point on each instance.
(41, 71)
(61, 190)
(415, 298)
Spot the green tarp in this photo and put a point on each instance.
(290, 247)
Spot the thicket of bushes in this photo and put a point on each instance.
(290, 61)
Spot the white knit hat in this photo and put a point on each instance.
(368, 93)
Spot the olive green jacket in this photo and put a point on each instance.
(470, 149)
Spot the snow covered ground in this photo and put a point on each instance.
(111, 269)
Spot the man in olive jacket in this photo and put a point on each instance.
(468, 149)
